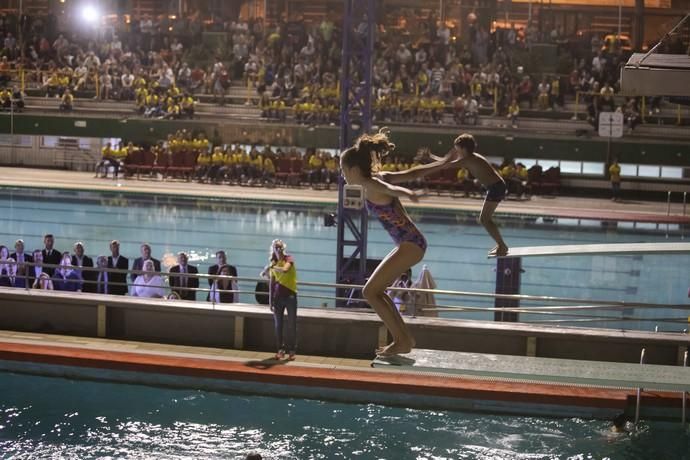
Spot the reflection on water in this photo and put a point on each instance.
(73, 419)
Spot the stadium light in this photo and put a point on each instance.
(89, 14)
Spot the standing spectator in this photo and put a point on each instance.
(283, 279)
(221, 287)
(65, 278)
(615, 178)
(50, 255)
(145, 250)
(222, 260)
(183, 279)
(149, 284)
(80, 260)
(118, 281)
(607, 98)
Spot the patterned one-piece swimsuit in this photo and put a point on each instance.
(397, 223)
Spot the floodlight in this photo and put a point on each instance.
(89, 14)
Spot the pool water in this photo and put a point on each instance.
(69, 419)
(456, 256)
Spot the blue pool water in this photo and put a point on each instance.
(456, 255)
(67, 419)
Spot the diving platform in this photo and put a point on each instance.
(656, 75)
(598, 249)
(528, 369)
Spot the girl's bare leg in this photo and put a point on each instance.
(395, 263)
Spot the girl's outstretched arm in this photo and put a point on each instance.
(420, 171)
(382, 187)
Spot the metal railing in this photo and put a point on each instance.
(544, 309)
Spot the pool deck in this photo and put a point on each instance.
(320, 377)
(554, 206)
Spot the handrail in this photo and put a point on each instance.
(685, 393)
(639, 391)
(594, 304)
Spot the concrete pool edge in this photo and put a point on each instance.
(189, 367)
(597, 209)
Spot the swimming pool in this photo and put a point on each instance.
(61, 418)
(456, 255)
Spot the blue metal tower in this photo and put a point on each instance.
(359, 27)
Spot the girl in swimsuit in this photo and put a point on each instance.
(360, 165)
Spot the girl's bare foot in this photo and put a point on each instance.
(396, 348)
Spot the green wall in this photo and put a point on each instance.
(408, 140)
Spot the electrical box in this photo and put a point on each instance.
(353, 197)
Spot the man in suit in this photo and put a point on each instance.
(118, 281)
(139, 261)
(51, 256)
(221, 259)
(182, 279)
(23, 271)
(81, 260)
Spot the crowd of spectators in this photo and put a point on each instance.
(420, 73)
(52, 269)
(267, 165)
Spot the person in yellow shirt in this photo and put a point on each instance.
(203, 165)
(332, 170)
(6, 98)
(217, 162)
(465, 181)
(513, 112)
(140, 96)
(67, 101)
(269, 171)
(315, 165)
(52, 85)
(283, 284)
(438, 107)
(107, 160)
(615, 177)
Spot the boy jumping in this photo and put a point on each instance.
(482, 170)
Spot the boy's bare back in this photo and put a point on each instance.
(480, 168)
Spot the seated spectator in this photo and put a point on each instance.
(43, 282)
(66, 102)
(65, 278)
(606, 99)
(631, 114)
(183, 279)
(472, 111)
(149, 284)
(543, 91)
(17, 99)
(107, 160)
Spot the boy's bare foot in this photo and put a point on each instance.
(498, 251)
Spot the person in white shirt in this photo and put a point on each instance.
(127, 80)
(149, 284)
